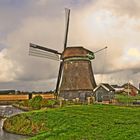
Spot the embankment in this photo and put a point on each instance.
(102, 122)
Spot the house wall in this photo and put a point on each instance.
(131, 90)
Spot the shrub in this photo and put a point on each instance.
(51, 103)
(35, 102)
(44, 103)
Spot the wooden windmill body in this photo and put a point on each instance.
(75, 76)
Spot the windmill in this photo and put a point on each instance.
(75, 76)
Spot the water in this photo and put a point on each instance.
(6, 111)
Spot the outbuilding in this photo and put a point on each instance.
(104, 92)
(130, 89)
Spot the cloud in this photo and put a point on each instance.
(94, 24)
(120, 77)
(5, 65)
(121, 8)
(42, 85)
(32, 68)
(133, 52)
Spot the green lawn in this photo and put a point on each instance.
(85, 122)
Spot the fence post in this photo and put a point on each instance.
(61, 101)
(88, 99)
(77, 100)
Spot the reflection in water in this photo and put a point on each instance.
(9, 111)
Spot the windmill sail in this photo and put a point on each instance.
(39, 51)
(101, 49)
(67, 11)
(67, 26)
(59, 76)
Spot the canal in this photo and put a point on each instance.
(9, 110)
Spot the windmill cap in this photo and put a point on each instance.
(77, 51)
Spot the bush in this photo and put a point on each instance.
(44, 103)
(35, 102)
(51, 103)
(38, 102)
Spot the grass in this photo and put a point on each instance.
(125, 99)
(81, 122)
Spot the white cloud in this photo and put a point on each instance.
(133, 52)
(8, 70)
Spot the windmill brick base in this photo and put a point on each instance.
(82, 95)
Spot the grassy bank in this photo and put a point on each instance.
(93, 122)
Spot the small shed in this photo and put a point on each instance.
(104, 92)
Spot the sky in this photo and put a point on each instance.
(94, 24)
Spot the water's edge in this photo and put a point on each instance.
(8, 110)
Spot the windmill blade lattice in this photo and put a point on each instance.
(39, 51)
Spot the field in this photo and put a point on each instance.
(124, 99)
(23, 97)
(81, 122)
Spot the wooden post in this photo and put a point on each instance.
(77, 100)
(66, 101)
(93, 99)
(74, 100)
(128, 94)
(61, 101)
(30, 96)
(88, 99)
